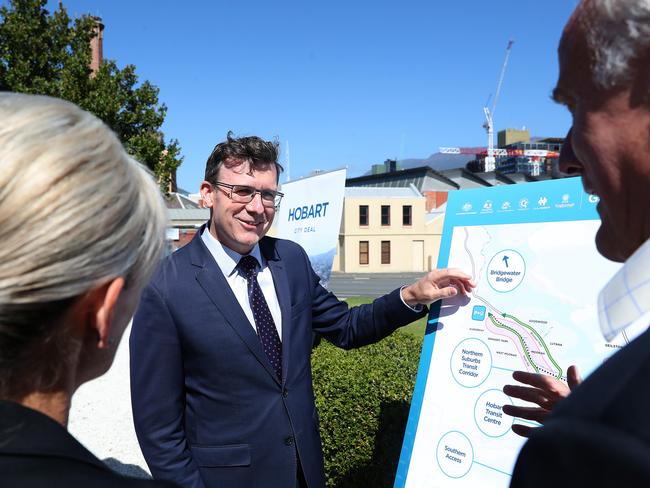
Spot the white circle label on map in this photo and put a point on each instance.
(455, 454)
(471, 362)
(488, 415)
(506, 270)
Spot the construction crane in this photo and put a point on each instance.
(490, 161)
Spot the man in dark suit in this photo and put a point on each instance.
(220, 347)
(600, 434)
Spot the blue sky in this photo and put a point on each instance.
(344, 83)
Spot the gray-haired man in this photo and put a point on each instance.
(601, 433)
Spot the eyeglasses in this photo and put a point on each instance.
(245, 194)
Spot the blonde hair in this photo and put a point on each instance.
(76, 211)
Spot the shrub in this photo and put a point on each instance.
(363, 399)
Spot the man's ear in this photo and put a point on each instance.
(207, 194)
(102, 308)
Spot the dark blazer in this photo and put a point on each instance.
(600, 434)
(36, 451)
(207, 406)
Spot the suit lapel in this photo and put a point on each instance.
(281, 283)
(284, 298)
(214, 284)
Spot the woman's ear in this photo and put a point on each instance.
(103, 301)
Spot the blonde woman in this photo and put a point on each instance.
(82, 229)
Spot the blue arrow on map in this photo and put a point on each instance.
(505, 260)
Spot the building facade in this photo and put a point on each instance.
(533, 165)
(185, 217)
(387, 230)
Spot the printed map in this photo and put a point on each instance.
(523, 315)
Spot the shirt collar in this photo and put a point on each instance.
(626, 297)
(226, 258)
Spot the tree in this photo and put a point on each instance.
(50, 54)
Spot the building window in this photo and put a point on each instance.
(363, 215)
(385, 215)
(406, 215)
(363, 252)
(385, 252)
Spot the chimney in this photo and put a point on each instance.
(97, 46)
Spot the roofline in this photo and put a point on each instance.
(504, 177)
(470, 176)
(429, 171)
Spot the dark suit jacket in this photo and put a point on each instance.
(208, 408)
(600, 434)
(35, 451)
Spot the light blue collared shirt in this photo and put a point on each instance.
(624, 302)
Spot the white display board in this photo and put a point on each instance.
(310, 214)
(531, 251)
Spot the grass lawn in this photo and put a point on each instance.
(416, 328)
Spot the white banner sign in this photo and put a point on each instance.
(310, 214)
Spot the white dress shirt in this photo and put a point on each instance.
(624, 302)
(227, 260)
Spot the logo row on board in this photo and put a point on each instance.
(542, 203)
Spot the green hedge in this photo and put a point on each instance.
(363, 399)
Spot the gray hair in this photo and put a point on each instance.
(76, 211)
(617, 33)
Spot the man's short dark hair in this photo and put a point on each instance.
(234, 150)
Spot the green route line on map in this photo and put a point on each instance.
(541, 341)
(519, 336)
(535, 333)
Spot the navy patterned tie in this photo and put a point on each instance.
(266, 329)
